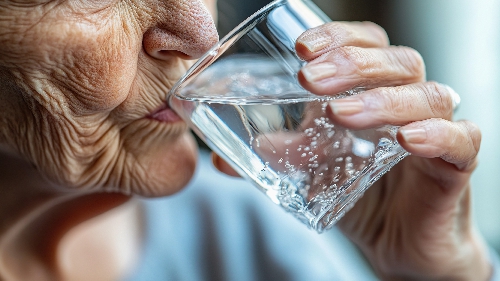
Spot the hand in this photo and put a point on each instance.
(415, 222)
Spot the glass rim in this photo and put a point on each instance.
(223, 44)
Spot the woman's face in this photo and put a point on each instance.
(85, 83)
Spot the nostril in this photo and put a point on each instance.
(164, 54)
(188, 38)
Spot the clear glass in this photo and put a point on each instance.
(243, 99)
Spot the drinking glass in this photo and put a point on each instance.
(242, 98)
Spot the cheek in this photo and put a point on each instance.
(92, 64)
(102, 73)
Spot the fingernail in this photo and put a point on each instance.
(315, 44)
(347, 106)
(316, 72)
(455, 98)
(414, 135)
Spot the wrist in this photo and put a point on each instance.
(470, 261)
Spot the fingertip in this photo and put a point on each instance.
(379, 32)
(314, 73)
(304, 51)
(413, 135)
(223, 166)
(312, 43)
(454, 142)
(416, 140)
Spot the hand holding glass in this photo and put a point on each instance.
(243, 99)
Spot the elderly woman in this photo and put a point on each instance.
(84, 128)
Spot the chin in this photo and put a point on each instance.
(178, 165)
(172, 169)
(161, 158)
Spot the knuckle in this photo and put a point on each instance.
(474, 134)
(394, 100)
(438, 99)
(347, 33)
(410, 60)
(336, 32)
(377, 29)
(339, 31)
(362, 60)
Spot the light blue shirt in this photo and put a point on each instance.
(222, 228)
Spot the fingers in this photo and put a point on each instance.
(394, 105)
(345, 55)
(347, 67)
(317, 41)
(455, 142)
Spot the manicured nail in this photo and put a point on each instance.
(414, 135)
(346, 106)
(316, 72)
(315, 44)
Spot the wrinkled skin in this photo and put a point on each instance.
(81, 83)
(415, 222)
(86, 84)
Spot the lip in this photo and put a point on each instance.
(164, 114)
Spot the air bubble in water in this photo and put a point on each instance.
(323, 106)
(336, 144)
(336, 178)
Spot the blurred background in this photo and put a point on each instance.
(460, 43)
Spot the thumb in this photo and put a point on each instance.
(221, 165)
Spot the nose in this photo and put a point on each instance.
(186, 29)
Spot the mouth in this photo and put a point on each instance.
(164, 114)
